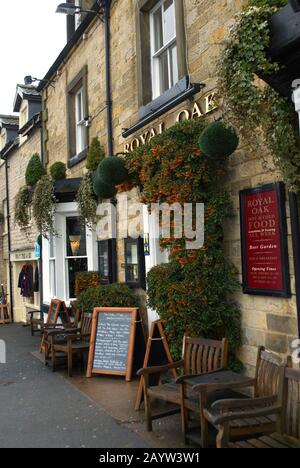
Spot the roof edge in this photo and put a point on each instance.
(68, 47)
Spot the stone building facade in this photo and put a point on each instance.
(18, 149)
(141, 108)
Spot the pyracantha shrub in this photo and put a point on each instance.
(194, 291)
(85, 280)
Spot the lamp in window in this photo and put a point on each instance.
(75, 242)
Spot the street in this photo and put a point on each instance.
(40, 409)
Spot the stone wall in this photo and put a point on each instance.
(18, 160)
(22, 241)
(3, 243)
(266, 321)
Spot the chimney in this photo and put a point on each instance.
(70, 24)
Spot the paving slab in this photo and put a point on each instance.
(40, 409)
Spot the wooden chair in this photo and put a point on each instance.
(4, 314)
(268, 385)
(57, 308)
(68, 342)
(200, 355)
(286, 410)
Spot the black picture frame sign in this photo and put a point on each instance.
(264, 248)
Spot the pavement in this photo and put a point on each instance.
(42, 409)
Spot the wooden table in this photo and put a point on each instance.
(4, 314)
(208, 387)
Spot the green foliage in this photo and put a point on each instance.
(191, 292)
(58, 171)
(22, 203)
(44, 206)
(218, 141)
(264, 119)
(103, 190)
(268, 3)
(192, 299)
(95, 155)
(35, 170)
(86, 280)
(113, 171)
(87, 204)
(112, 295)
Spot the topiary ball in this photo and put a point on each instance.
(103, 190)
(35, 170)
(58, 171)
(112, 170)
(218, 141)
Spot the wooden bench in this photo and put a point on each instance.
(284, 410)
(200, 356)
(56, 309)
(268, 384)
(62, 344)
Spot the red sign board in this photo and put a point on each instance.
(264, 241)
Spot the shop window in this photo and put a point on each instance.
(77, 111)
(161, 48)
(76, 249)
(135, 271)
(107, 261)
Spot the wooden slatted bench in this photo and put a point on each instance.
(285, 410)
(200, 356)
(276, 440)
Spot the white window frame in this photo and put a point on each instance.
(80, 121)
(156, 55)
(52, 262)
(64, 211)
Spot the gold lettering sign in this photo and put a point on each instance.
(198, 110)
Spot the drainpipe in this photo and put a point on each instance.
(40, 262)
(106, 19)
(9, 241)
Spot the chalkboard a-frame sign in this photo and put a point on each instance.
(113, 341)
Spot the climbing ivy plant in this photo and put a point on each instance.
(262, 117)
